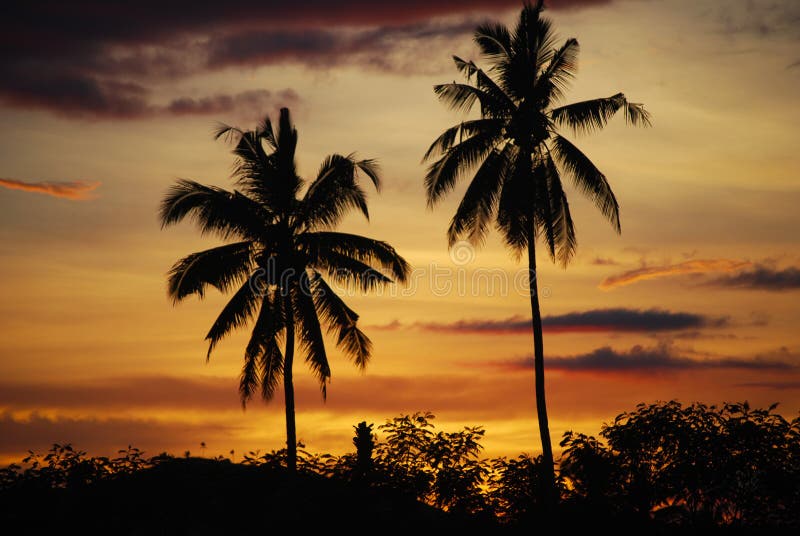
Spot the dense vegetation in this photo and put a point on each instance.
(663, 466)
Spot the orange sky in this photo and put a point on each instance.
(697, 299)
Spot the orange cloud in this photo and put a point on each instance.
(688, 267)
(74, 190)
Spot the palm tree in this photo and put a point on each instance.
(283, 248)
(519, 156)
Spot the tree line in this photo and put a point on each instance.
(663, 465)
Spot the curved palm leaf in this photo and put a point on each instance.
(479, 203)
(221, 267)
(318, 246)
(587, 178)
(336, 190)
(213, 209)
(238, 311)
(341, 321)
(458, 160)
(310, 331)
(592, 115)
(263, 360)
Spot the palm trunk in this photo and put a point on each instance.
(288, 391)
(548, 471)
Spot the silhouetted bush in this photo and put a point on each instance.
(662, 467)
(693, 465)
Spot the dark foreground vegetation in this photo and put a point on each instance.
(660, 469)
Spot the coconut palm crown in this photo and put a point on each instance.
(281, 254)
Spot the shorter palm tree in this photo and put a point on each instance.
(283, 249)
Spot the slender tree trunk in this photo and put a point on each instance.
(288, 390)
(548, 471)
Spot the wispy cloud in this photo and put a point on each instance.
(761, 277)
(697, 266)
(640, 359)
(595, 320)
(603, 261)
(74, 190)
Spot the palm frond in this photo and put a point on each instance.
(494, 41)
(350, 272)
(318, 246)
(263, 359)
(515, 207)
(443, 174)
(271, 368)
(558, 217)
(587, 178)
(335, 190)
(462, 97)
(213, 209)
(561, 69)
(500, 105)
(236, 313)
(341, 321)
(592, 115)
(221, 267)
(479, 204)
(309, 333)
(532, 44)
(466, 129)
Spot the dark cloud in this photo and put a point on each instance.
(621, 319)
(101, 60)
(73, 190)
(256, 102)
(88, 97)
(761, 277)
(596, 320)
(640, 359)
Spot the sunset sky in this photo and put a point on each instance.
(102, 107)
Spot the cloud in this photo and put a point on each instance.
(640, 359)
(151, 394)
(762, 18)
(38, 432)
(394, 325)
(74, 190)
(595, 320)
(697, 335)
(761, 278)
(97, 99)
(603, 261)
(108, 60)
(668, 270)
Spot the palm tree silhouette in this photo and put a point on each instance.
(519, 156)
(284, 244)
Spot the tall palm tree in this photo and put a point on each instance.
(283, 248)
(519, 156)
